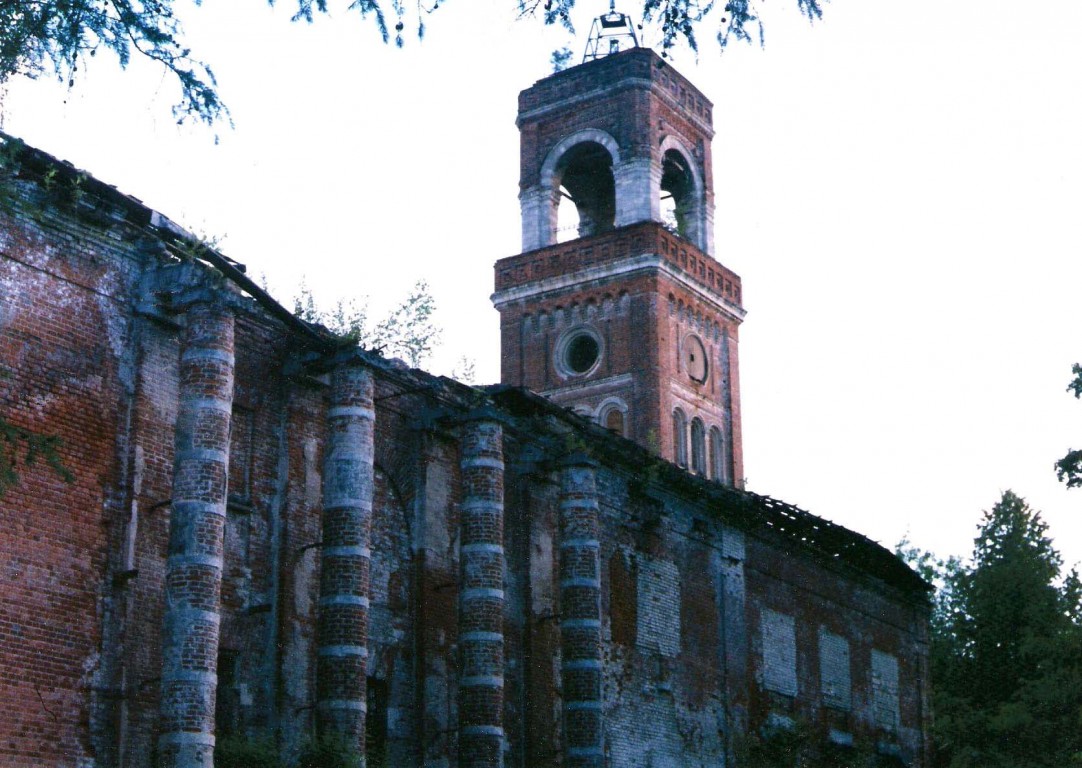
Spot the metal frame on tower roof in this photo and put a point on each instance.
(610, 34)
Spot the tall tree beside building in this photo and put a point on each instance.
(1007, 648)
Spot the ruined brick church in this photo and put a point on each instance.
(269, 534)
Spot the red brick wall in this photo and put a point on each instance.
(82, 563)
(63, 346)
(868, 616)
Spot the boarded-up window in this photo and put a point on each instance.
(834, 681)
(658, 607)
(779, 652)
(885, 690)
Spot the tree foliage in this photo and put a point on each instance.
(408, 332)
(1006, 647)
(56, 37)
(1069, 468)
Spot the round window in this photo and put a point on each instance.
(578, 352)
(581, 353)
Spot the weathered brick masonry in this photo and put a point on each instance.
(481, 595)
(193, 577)
(268, 534)
(580, 613)
(345, 555)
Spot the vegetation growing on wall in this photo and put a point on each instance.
(20, 447)
(408, 332)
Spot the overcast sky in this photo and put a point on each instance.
(899, 186)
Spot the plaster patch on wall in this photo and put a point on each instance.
(658, 607)
(312, 475)
(779, 652)
(835, 682)
(885, 690)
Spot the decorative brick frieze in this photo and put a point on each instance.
(348, 478)
(481, 595)
(193, 577)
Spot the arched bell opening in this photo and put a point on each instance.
(678, 204)
(585, 192)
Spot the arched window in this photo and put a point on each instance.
(717, 457)
(680, 438)
(586, 192)
(612, 415)
(698, 446)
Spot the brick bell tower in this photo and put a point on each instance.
(617, 308)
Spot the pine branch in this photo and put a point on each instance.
(23, 447)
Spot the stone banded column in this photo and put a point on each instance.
(193, 571)
(580, 612)
(348, 479)
(481, 597)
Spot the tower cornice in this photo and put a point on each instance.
(622, 252)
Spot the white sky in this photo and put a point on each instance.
(900, 188)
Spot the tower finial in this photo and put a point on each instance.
(610, 33)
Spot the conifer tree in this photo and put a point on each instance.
(1007, 649)
(1069, 468)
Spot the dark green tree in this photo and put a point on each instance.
(1069, 468)
(1006, 650)
(56, 37)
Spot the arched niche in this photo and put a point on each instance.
(680, 437)
(698, 446)
(612, 415)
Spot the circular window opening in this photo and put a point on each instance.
(581, 353)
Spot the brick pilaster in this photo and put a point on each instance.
(344, 575)
(481, 596)
(580, 613)
(193, 577)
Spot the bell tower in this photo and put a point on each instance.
(616, 307)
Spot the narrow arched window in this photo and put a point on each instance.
(698, 446)
(717, 457)
(680, 437)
